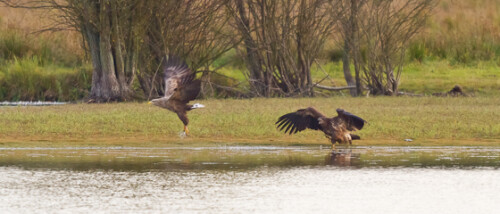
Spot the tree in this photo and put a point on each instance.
(348, 20)
(281, 39)
(107, 27)
(102, 25)
(384, 32)
(195, 30)
(128, 38)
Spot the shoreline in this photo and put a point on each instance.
(29, 142)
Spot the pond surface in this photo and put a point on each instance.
(250, 180)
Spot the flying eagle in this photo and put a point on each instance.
(338, 128)
(180, 88)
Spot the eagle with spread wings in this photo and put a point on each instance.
(338, 128)
(180, 88)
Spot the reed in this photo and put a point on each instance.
(464, 32)
(28, 79)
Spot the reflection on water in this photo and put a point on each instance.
(343, 157)
(251, 180)
(232, 158)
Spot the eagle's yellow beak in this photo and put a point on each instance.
(150, 102)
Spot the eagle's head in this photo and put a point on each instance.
(158, 102)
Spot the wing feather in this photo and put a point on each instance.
(300, 120)
(174, 66)
(180, 83)
(353, 122)
(190, 91)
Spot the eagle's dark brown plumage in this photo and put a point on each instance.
(338, 128)
(180, 88)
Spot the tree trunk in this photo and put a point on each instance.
(110, 87)
(355, 39)
(92, 39)
(106, 85)
(347, 69)
(118, 52)
(256, 75)
(131, 53)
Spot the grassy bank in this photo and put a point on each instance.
(428, 121)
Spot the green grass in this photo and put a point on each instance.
(48, 49)
(439, 76)
(36, 67)
(428, 121)
(30, 79)
(426, 78)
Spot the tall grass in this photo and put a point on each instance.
(49, 48)
(29, 79)
(462, 32)
(35, 66)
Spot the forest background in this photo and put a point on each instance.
(458, 44)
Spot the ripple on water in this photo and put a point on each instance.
(246, 180)
(263, 189)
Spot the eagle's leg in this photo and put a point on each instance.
(347, 138)
(333, 142)
(182, 115)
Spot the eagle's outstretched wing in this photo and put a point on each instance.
(352, 121)
(179, 80)
(173, 66)
(300, 120)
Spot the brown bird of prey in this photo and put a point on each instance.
(338, 128)
(180, 88)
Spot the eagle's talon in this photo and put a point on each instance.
(182, 135)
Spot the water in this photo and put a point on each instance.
(251, 180)
(31, 103)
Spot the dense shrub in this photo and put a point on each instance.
(27, 79)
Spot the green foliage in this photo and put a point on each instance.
(29, 79)
(458, 46)
(426, 77)
(48, 50)
(431, 77)
(335, 54)
(417, 51)
(12, 45)
(35, 67)
(230, 58)
(461, 32)
(457, 51)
